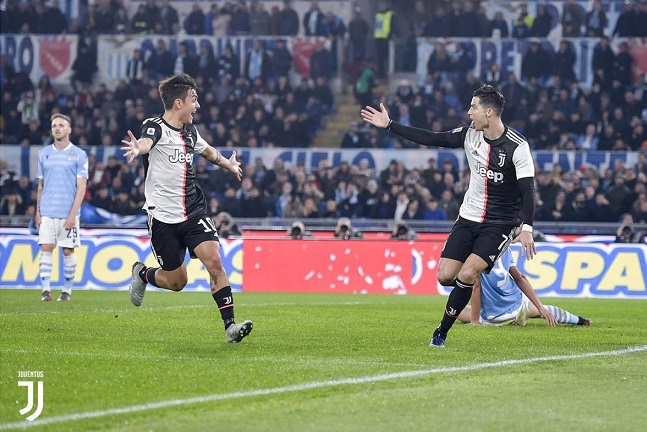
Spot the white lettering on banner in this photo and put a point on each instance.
(507, 54)
(570, 269)
(584, 270)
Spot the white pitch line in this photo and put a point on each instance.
(155, 309)
(311, 385)
(284, 359)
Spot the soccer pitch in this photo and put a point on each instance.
(316, 363)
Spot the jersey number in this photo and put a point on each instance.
(71, 233)
(207, 223)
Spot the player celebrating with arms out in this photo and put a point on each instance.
(499, 203)
(176, 207)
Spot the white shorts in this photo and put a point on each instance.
(518, 317)
(52, 231)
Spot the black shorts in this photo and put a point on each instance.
(488, 241)
(169, 242)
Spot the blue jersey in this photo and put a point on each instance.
(500, 294)
(59, 170)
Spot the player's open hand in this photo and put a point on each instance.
(235, 166)
(545, 314)
(130, 147)
(376, 118)
(528, 248)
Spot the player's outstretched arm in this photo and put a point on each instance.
(526, 288)
(381, 119)
(134, 147)
(232, 164)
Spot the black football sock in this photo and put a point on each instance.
(458, 299)
(147, 274)
(225, 302)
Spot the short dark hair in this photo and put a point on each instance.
(490, 97)
(175, 87)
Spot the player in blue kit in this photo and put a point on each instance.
(62, 179)
(505, 296)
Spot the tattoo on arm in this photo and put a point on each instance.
(218, 158)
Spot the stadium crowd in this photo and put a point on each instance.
(258, 107)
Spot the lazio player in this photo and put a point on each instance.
(62, 179)
(504, 296)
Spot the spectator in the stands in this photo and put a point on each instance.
(258, 62)
(240, 19)
(358, 30)
(543, 22)
(523, 23)
(573, 18)
(168, 18)
(596, 20)
(85, 63)
(12, 204)
(288, 20)
(321, 62)
(281, 60)
(229, 63)
(314, 21)
(194, 21)
(498, 26)
(159, 62)
(536, 63)
(626, 23)
(259, 20)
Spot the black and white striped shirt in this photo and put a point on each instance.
(494, 194)
(171, 193)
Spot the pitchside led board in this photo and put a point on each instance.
(566, 266)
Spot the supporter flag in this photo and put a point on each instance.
(94, 215)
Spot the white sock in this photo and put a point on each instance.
(69, 271)
(562, 316)
(45, 270)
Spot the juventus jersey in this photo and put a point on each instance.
(171, 193)
(493, 195)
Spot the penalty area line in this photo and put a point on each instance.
(312, 385)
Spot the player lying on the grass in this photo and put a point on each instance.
(505, 296)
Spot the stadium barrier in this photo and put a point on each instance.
(372, 265)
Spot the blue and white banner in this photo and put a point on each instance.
(95, 216)
(508, 54)
(41, 55)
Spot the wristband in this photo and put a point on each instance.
(388, 127)
(527, 228)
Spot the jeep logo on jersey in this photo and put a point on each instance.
(496, 177)
(181, 157)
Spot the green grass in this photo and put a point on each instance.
(99, 353)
